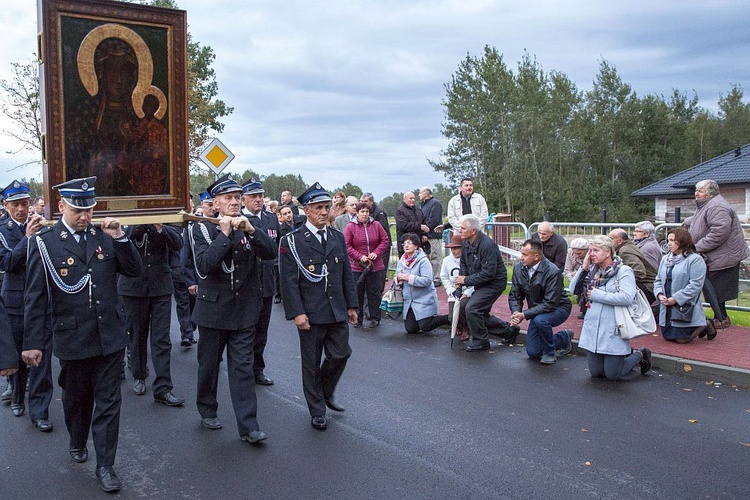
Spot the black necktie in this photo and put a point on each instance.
(322, 233)
(82, 239)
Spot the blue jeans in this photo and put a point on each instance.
(539, 337)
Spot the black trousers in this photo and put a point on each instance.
(372, 285)
(38, 379)
(239, 346)
(319, 380)
(91, 399)
(150, 317)
(425, 324)
(261, 334)
(184, 304)
(478, 310)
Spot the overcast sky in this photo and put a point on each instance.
(350, 90)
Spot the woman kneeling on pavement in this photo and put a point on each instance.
(611, 283)
(414, 275)
(678, 285)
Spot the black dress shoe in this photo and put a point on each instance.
(261, 379)
(17, 409)
(319, 422)
(42, 424)
(7, 394)
(212, 423)
(169, 399)
(254, 437)
(513, 332)
(645, 360)
(108, 479)
(332, 404)
(186, 343)
(277, 300)
(478, 346)
(139, 386)
(79, 455)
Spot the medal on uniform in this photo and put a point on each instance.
(70, 261)
(63, 272)
(100, 256)
(311, 268)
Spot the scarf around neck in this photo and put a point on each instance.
(409, 262)
(598, 277)
(673, 259)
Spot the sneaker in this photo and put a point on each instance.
(565, 350)
(548, 359)
(646, 360)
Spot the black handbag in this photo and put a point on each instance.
(683, 312)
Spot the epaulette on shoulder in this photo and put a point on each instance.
(45, 230)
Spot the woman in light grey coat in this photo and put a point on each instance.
(414, 275)
(678, 286)
(611, 283)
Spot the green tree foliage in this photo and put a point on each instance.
(349, 189)
(391, 203)
(534, 144)
(19, 101)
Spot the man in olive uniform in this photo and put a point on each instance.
(319, 294)
(252, 199)
(228, 305)
(72, 274)
(14, 238)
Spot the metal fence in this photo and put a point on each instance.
(510, 235)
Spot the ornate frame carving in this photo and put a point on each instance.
(92, 53)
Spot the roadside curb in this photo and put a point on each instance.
(684, 367)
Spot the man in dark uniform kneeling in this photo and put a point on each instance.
(72, 271)
(319, 294)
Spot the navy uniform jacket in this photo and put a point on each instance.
(13, 246)
(328, 300)
(186, 257)
(155, 278)
(8, 353)
(269, 223)
(84, 324)
(221, 303)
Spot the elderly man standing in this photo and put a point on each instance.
(72, 275)
(350, 212)
(645, 239)
(227, 264)
(717, 234)
(432, 210)
(319, 294)
(631, 256)
(540, 283)
(554, 246)
(467, 202)
(410, 219)
(483, 268)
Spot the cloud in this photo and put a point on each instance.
(341, 91)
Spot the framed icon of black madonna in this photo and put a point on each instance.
(113, 82)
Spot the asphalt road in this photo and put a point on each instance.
(422, 421)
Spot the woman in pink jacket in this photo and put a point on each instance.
(366, 242)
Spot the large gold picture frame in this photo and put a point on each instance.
(113, 82)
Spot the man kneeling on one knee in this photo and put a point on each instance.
(540, 283)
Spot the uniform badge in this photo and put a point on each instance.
(64, 235)
(10, 224)
(92, 231)
(311, 268)
(63, 272)
(100, 256)
(70, 261)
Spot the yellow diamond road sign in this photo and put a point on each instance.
(216, 156)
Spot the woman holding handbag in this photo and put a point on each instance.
(611, 283)
(678, 285)
(414, 275)
(366, 242)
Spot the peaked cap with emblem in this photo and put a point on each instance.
(224, 184)
(17, 190)
(204, 196)
(253, 186)
(314, 194)
(78, 193)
